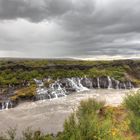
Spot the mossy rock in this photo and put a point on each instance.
(25, 92)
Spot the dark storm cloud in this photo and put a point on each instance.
(81, 27)
(34, 10)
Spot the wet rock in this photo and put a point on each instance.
(103, 82)
(95, 83)
(87, 82)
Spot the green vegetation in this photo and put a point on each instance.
(94, 121)
(132, 103)
(25, 93)
(116, 72)
(16, 71)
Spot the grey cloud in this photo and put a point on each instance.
(90, 27)
(34, 10)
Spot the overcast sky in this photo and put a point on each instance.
(87, 29)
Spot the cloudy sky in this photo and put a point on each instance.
(87, 29)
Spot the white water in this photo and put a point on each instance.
(98, 82)
(57, 89)
(76, 84)
(109, 82)
(49, 115)
(6, 104)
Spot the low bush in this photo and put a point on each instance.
(132, 103)
(90, 122)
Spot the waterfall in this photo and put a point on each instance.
(6, 105)
(54, 91)
(130, 85)
(61, 87)
(80, 85)
(64, 86)
(57, 90)
(98, 82)
(76, 84)
(109, 82)
(3, 106)
(73, 84)
(124, 85)
(56, 96)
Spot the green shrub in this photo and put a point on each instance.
(30, 134)
(88, 124)
(135, 123)
(132, 103)
(88, 107)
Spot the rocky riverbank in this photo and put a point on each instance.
(61, 88)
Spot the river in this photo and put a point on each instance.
(49, 115)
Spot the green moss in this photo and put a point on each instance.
(26, 92)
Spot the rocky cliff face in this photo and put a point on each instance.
(65, 86)
(104, 82)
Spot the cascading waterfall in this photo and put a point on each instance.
(6, 105)
(3, 106)
(109, 82)
(81, 86)
(54, 91)
(98, 82)
(63, 87)
(76, 84)
(42, 93)
(73, 84)
(57, 90)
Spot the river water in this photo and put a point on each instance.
(49, 115)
